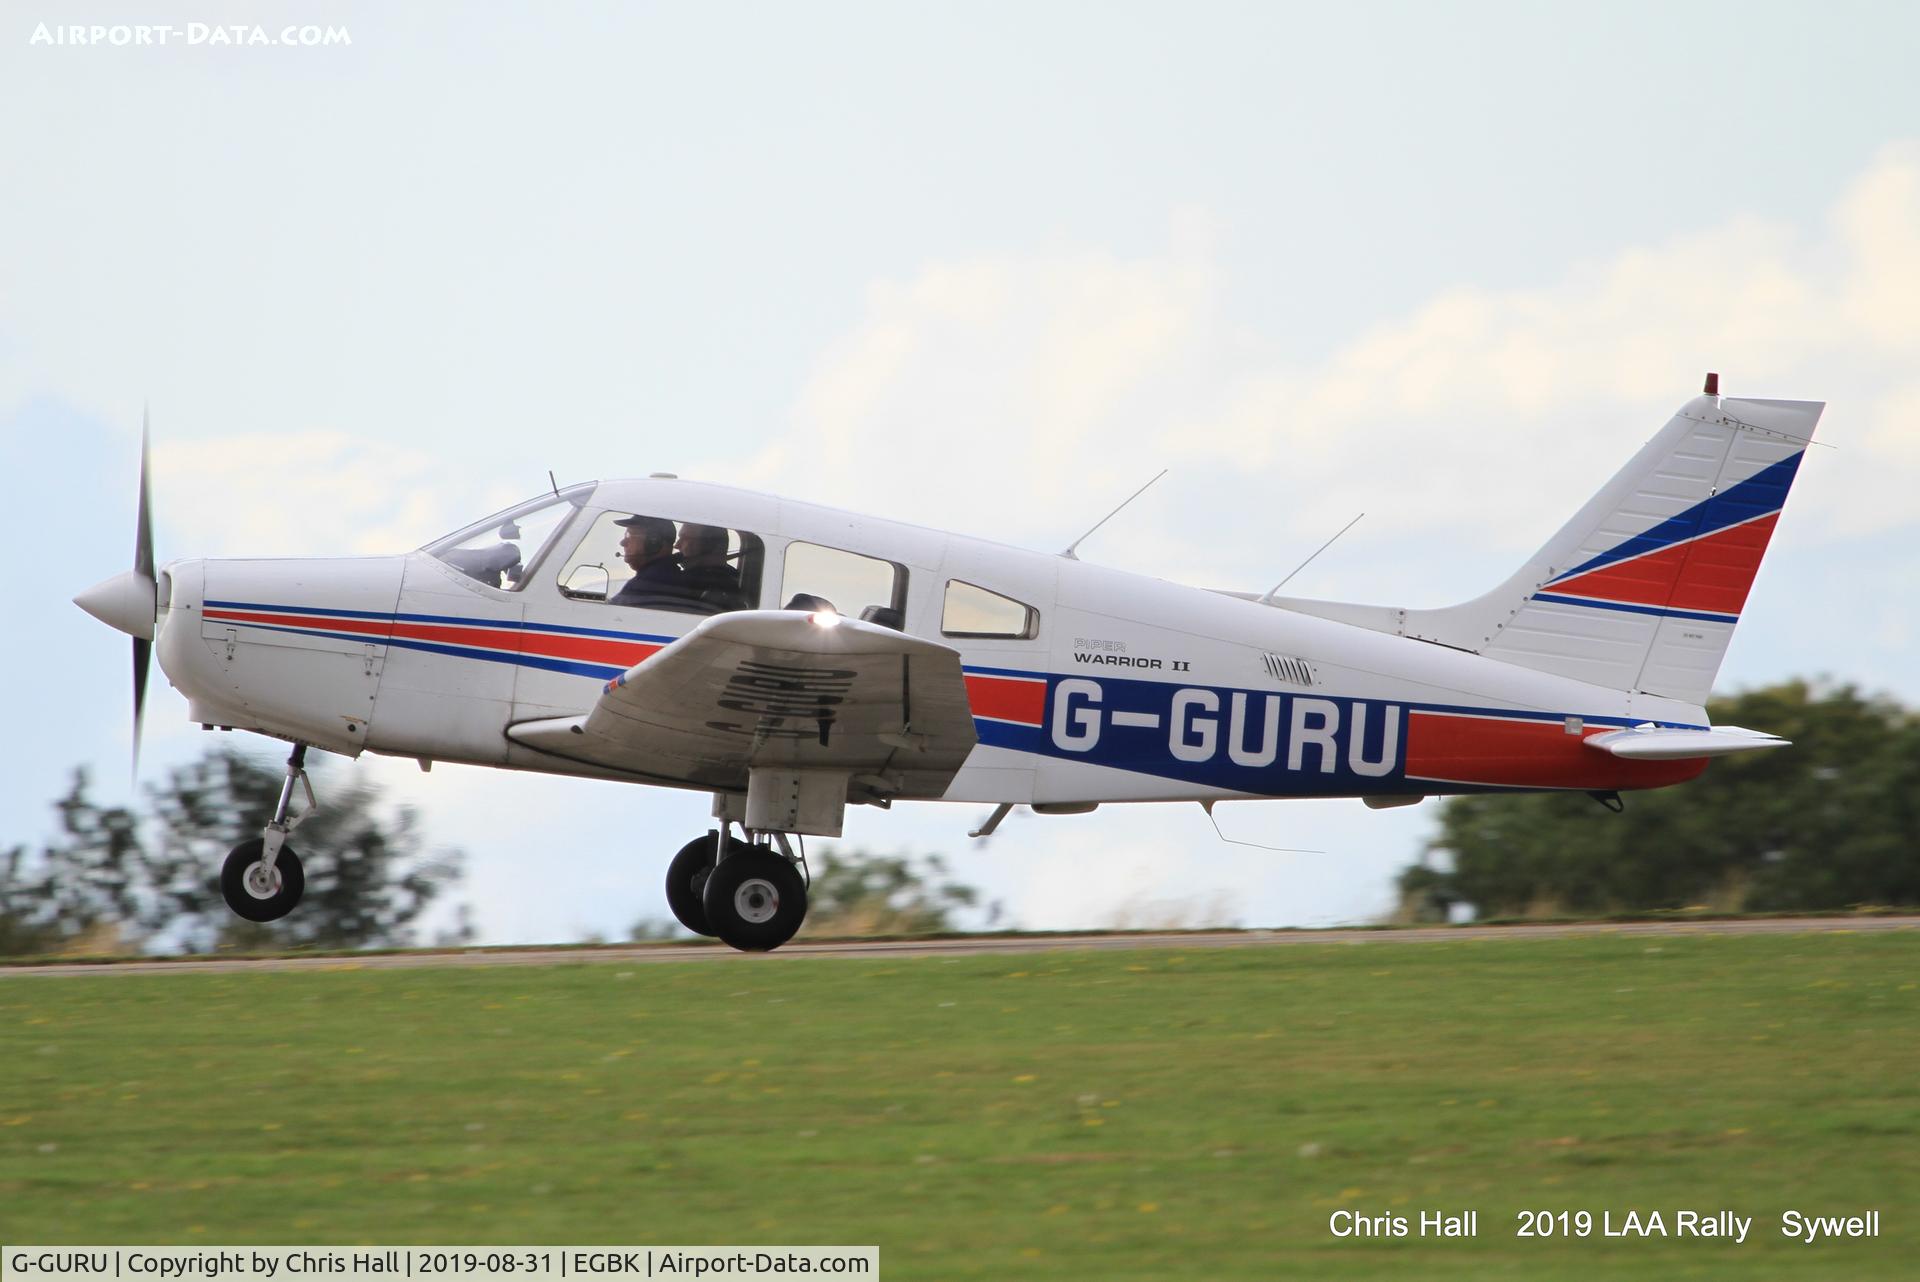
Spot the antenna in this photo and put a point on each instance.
(1268, 598)
(1108, 517)
(555, 484)
(1257, 845)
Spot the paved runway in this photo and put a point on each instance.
(646, 953)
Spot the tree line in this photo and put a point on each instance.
(115, 881)
(1831, 822)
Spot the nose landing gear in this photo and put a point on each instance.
(262, 878)
(747, 893)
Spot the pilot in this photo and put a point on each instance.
(705, 574)
(647, 548)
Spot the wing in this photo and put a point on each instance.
(773, 688)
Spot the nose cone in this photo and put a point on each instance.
(126, 602)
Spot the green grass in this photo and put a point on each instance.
(1083, 1115)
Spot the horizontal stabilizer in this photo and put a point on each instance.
(1649, 743)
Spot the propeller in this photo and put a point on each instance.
(129, 601)
(143, 566)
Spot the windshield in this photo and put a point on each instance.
(501, 550)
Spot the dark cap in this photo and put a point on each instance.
(655, 527)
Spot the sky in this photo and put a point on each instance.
(986, 267)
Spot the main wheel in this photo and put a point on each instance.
(255, 893)
(754, 900)
(687, 877)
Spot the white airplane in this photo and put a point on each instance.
(793, 660)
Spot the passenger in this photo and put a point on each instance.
(647, 548)
(705, 574)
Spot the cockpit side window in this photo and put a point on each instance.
(502, 550)
(972, 611)
(653, 563)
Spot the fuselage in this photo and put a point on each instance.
(1111, 687)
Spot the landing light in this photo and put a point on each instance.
(825, 619)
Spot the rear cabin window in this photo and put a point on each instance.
(652, 563)
(972, 611)
(865, 587)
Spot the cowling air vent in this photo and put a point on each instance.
(1283, 668)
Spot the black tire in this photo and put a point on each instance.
(754, 900)
(687, 877)
(241, 898)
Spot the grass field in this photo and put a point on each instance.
(1081, 1115)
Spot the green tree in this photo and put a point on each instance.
(111, 879)
(857, 893)
(84, 884)
(1830, 822)
(368, 877)
(26, 921)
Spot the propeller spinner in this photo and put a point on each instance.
(129, 601)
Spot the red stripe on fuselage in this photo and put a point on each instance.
(1007, 698)
(359, 627)
(1712, 573)
(607, 650)
(1527, 754)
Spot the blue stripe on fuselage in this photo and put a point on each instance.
(1343, 749)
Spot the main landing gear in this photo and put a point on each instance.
(262, 878)
(748, 894)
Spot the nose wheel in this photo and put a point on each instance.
(262, 879)
(257, 890)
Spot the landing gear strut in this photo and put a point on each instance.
(747, 893)
(262, 879)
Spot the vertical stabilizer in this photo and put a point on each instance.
(1642, 588)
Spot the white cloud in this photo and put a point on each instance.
(300, 494)
(974, 379)
(1879, 223)
(1020, 397)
